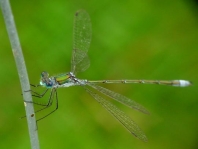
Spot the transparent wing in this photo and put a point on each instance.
(120, 98)
(129, 124)
(81, 41)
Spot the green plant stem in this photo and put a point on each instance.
(21, 68)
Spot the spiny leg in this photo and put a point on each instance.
(35, 85)
(37, 95)
(46, 105)
(49, 104)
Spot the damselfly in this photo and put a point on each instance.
(79, 63)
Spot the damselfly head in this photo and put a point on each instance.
(44, 74)
(45, 80)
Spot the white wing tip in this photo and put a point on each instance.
(183, 83)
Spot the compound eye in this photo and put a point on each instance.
(44, 74)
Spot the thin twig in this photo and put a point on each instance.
(21, 68)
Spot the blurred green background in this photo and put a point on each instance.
(130, 40)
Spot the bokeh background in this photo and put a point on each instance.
(131, 40)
